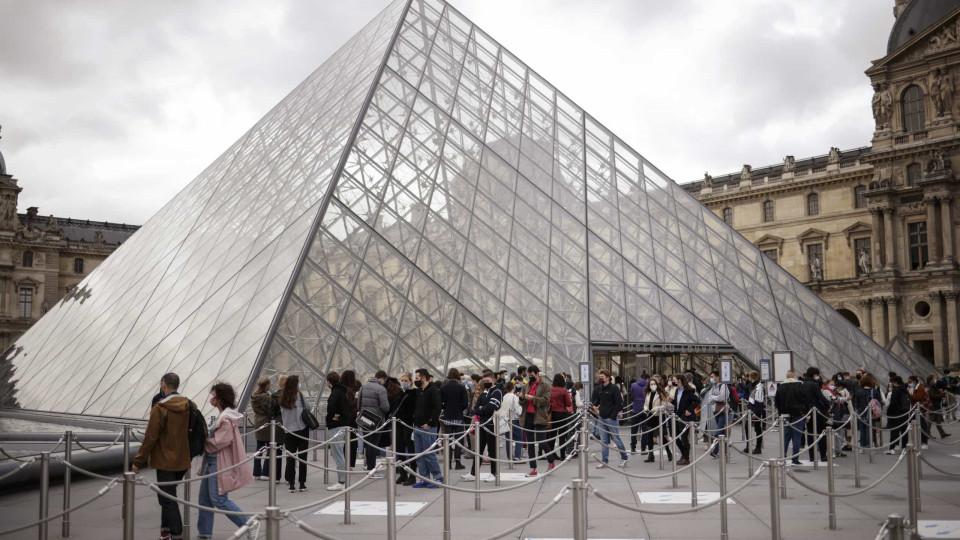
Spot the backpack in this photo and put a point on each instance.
(196, 432)
(876, 409)
(733, 398)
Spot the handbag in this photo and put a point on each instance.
(307, 417)
(368, 420)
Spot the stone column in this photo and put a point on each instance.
(936, 319)
(889, 252)
(866, 324)
(946, 218)
(877, 248)
(953, 330)
(879, 326)
(933, 236)
(893, 316)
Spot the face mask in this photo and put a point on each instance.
(858, 376)
(831, 387)
(713, 381)
(816, 377)
(487, 385)
(405, 385)
(299, 386)
(653, 386)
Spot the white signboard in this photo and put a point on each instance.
(938, 529)
(771, 389)
(764, 370)
(678, 497)
(726, 371)
(585, 373)
(782, 363)
(373, 508)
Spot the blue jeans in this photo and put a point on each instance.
(428, 466)
(517, 436)
(793, 431)
(337, 435)
(211, 498)
(610, 430)
(720, 428)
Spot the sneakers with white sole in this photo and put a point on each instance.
(488, 478)
(467, 476)
(253, 532)
(335, 487)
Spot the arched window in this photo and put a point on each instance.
(78, 266)
(913, 174)
(28, 259)
(914, 116)
(728, 216)
(767, 211)
(860, 197)
(813, 204)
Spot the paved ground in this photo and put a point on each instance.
(804, 514)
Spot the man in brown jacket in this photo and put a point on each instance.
(535, 402)
(166, 448)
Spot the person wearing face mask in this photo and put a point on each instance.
(487, 404)
(426, 418)
(919, 397)
(405, 418)
(337, 421)
(654, 402)
(716, 403)
(897, 414)
(838, 397)
(453, 395)
(373, 397)
(607, 404)
(292, 404)
(757, 406)
(820, 406)
(792, 407)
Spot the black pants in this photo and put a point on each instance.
(559, 433)
(354, 447)
(404, 446)
(296, 444)
(683, 441)
(455, 429)
(261, 466)
(757, 432)
(636, 424)
(896, 430)
(536, 435)
(488, 442)
(811, 435)
(370, 453)
(170, 520)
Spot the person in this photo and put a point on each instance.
(757, 405)
(224, 449)
(426, 418)
(561, 409)
(607, 403)
(337, 421)
(510, 420)
(535, 401)
(349, 380)
(638, 391)
(654, 405)
(716, 403)
(837, 395)
(921, 398)
(936, 392)
(292, 404)
(819, 407)
(262, 406)
(791, 406)
(477, 389)
(521, 378)
(453, 396)
(898, 413)
(373, 397)
(486, 405)
(578, 394)
(279, 435)
(865, 396)
(404, 413)
(166, 448)
(686, 400)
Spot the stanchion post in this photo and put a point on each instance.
(393, 449)
(476, 464)
(911, 487)
(186, 508)
(496, 441)
(831, 500)
(662, 444)
(446, 491)
(129, 484)
(873, 436)
(326, 456)
(392, 496)
(781, 470)
(510, 448)
(582, 452)
(44, 494)
(346, 484)
(673, 448)
(273, 522)
(895, 527)
(917, 442)
(855, 439)
(815, 445)
(67, 456)
(775, 469)
(272, 464)
(579, 509)
(693, 464)
(126, 447)
(724, 450)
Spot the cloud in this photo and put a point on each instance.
(111, 107)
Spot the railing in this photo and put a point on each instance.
(579, 488)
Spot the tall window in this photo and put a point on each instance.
(728, 216)
(26, 301)
(78, 266)
(861, 248)
(913, 174)
(771, 254)
(815, 261)
(813, 204)
(860, 197)
(27, 259)
(913, 110)
(767, 211)
(917, 236)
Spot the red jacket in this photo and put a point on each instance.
(560, 399)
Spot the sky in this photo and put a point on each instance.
(110, 107)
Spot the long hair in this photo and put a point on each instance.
(349, 379)
(262, 386)
(226, 397)
(289, 393)
(558, 380)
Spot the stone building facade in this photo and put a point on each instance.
(42, 259)
(874, 230)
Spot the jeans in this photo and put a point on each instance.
(793, 431)
(170, 520)
(338, 434)
(610, 430)
(296, 444)
(536, 437)
(561, 432)
(721, 429)
(427, 465)
(211, 498)
(261, 467)
(517, 436)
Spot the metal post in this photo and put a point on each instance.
(510, 448)
(582, 451)
(273, 522)
(393, 449)
(781, 470)
(326, 456)
(917, 442)
(815, 445)
(44, 493)
(662, 444)
(855, 439)
(723, 486)
(693, 464)
(895, 527)
(272, 488)
(476, 464)
(392, 495)
(911, 487)
(915, 455)
(185, 512)
(446, 492)
(775, 469)
(873, 437)
(496, 429)
(67, 456)
(579, 509)
(346, 484)
(126, 447)
(673, 448)
(831, 500)
(316, 448)
(128, 500)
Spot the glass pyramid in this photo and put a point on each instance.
(914, 361)
(423, 199)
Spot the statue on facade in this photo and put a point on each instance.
(941, 90)
(944, 39)
(789, 163)
(816, 268)
(834, 156)
(97, 237)
(882, 105)
(52, 227)
(863, 261)
(937, 162)
(707, 180)
(746, 173)
(8, 212)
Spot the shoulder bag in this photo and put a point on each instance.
(307, 417)
(367, 420)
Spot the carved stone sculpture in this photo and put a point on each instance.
(707, 180)
(944, 39)
(834, 156)
(937, 162)
(816, 268)
(746, 173)
(882, 106)
(97, 237)
(789, 164)
(8, 212)
(863, 261)
(52, 227)
(941, 90)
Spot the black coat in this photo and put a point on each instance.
(608, 400)
(899, 406)
(427, 409)
(453, 395)
(404, 410)
(338, 404)
(686, 406)
(813, 396)
(790, 399)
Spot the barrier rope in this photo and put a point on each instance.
(85, 472)
(329, 498)
(938, 469)
(99, 448)
(18, 469)
(24, 458)
(851, 493)
(533, 517)
(156, 489)
(656, 476)
(218, 472)
(103, 491)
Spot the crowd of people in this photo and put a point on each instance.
(522, 411)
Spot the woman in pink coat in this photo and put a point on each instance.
(224, 448)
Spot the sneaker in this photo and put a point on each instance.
(420, 484)
(303, 487)
(756, 451)
(292, 489)
(794, 462)
(378, 475)
(253, 532)
(890, 452)
(531, 474)
(601, 465)
(435, 484)
(261, 478)
(410, 481)
(335, 487)
(924, 447)
(459, 466)
(488, 478)
(623, 464)
(468, 476)
(847, 448)
(551, 467)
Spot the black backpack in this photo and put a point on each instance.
(196, 432)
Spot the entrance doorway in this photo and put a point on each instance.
(629, 365)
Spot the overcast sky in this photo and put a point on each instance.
(110, 107)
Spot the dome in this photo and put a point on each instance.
(917, 17)
(3, 165)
